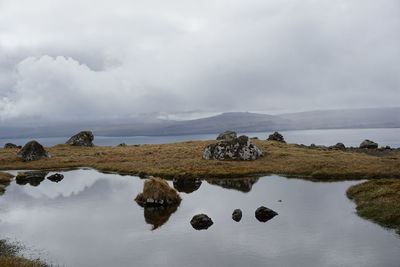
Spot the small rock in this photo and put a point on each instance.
(201, 222)
(237, 215)
(227, 136)
(264, 214)
(11, 145)
(56, 177)
(276, 137)
(32, 151)
(368, 144)
(338, 146)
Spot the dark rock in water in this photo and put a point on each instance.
(122, 144)
(187, 185)
(338, 146)
(158, 215)
(241, 184)
(84, 138)
(368, 144)
(32, 151)
(56, 177)
(201, 222)
(237, 149)
(11, 145)
(276, 137)
(264, 214)
(227, 136)
(157, 192)
(237, 215)
(34, 178)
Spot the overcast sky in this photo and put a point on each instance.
(123, 58)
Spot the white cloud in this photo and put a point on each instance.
(85, 59)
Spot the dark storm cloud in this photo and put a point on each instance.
(120, 59)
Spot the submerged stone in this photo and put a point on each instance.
(187, 185)
(237, 215)
(33, 178)
(56, 177)
(201, 222)
(264, 214)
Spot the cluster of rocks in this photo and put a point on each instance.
(202, 221)
(276, 137)
(11, 145)
(232, 148)
(34, 178)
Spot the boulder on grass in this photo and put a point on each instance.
(201, 222)
(11, 145)
(227, 136)
(157, 192)
(84, 138)
(264, 214)
(32, 151)
(368, 144)
(338, 146)
(237, 149)
(276, 137)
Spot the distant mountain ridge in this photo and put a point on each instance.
(237, 121)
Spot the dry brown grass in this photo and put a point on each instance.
(185, 160)
(158, 189)
(379, 201)
(5, 178)
(10, 261)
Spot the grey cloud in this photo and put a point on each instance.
(135, 57)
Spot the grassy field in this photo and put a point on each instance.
(379, 201)
(185, 160)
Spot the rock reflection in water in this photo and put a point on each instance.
(157, 216)
(242, 184)
(187, 185)
(34, 178)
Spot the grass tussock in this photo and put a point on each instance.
(379, 201)
(158, 189)
(5, 178)
(9, 256)
(185, 160)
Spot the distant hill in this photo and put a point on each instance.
(237, 121)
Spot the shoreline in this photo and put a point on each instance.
(184, 160)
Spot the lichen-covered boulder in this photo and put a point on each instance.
(32, 151)
(157, 192)
(227, 136)
(368, 144)
(11, 145)
(276, 137)
(264, 214)
(84, 138)
(237, 149)
(201, 222)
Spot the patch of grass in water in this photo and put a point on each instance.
(379, 201)
(9, 256)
